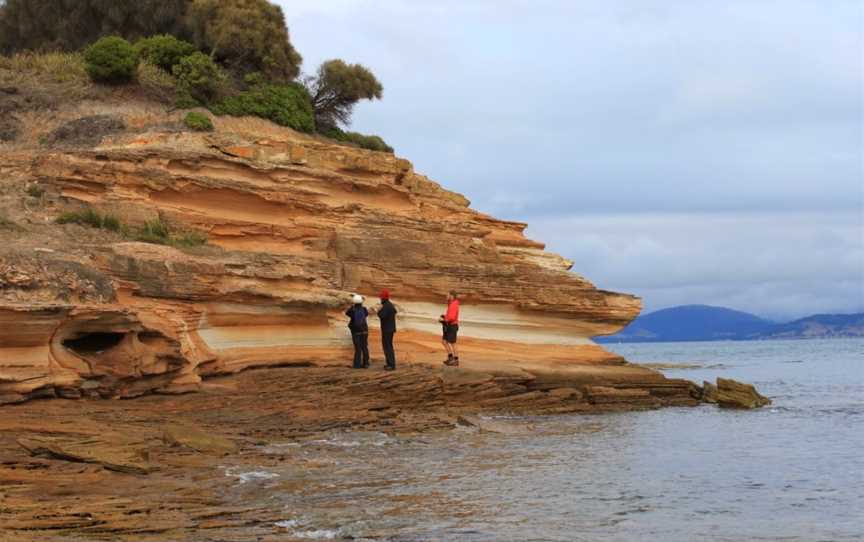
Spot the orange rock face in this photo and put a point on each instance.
(295, 225)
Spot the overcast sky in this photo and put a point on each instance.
(687, 152)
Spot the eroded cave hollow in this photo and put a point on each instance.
(94, 343)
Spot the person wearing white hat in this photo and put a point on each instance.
(357, 315)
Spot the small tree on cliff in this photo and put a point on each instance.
(247, 36)
(336, 88)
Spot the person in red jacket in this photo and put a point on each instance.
(450, 323)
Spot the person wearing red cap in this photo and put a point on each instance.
(387, 315)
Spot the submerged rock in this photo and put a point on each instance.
(632, 398)
(486, 425)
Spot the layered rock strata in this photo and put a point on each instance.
(295, 225)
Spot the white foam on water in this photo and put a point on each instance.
(252, 475)
(287, 523)
(366, 439)
(317, 534)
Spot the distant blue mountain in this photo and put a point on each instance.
(818, 326)
(707, 323)
(691, 323)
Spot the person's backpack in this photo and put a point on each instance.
(358, 319)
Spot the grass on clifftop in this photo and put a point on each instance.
(51, 67)
(47, 81)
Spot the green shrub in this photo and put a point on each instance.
(111, 60)
(198, 77)
(371, 142)
(110, 222)
(185, 100)
(198, 122)
(188, 239)
(156, 82)
(163, 50)
(92, 218)
(157, 232)
(286, 105)
(254, 79)
(153, 231)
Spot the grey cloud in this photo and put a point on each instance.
(782, 265)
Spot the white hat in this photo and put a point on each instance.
(357, 299)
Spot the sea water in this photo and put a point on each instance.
(793, 471)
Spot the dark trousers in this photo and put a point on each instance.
(387, 345)
(361, 350)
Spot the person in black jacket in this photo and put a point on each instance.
(387, 315)
(357, 314)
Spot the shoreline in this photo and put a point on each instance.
(146, 482)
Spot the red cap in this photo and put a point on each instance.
(385, 294)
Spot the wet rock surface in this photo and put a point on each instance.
(487, 425)
(159, 467)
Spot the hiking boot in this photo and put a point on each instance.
(388, 368)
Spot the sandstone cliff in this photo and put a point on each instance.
(295, 224)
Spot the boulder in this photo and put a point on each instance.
(733, 394)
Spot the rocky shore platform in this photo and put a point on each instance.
(159, 467)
